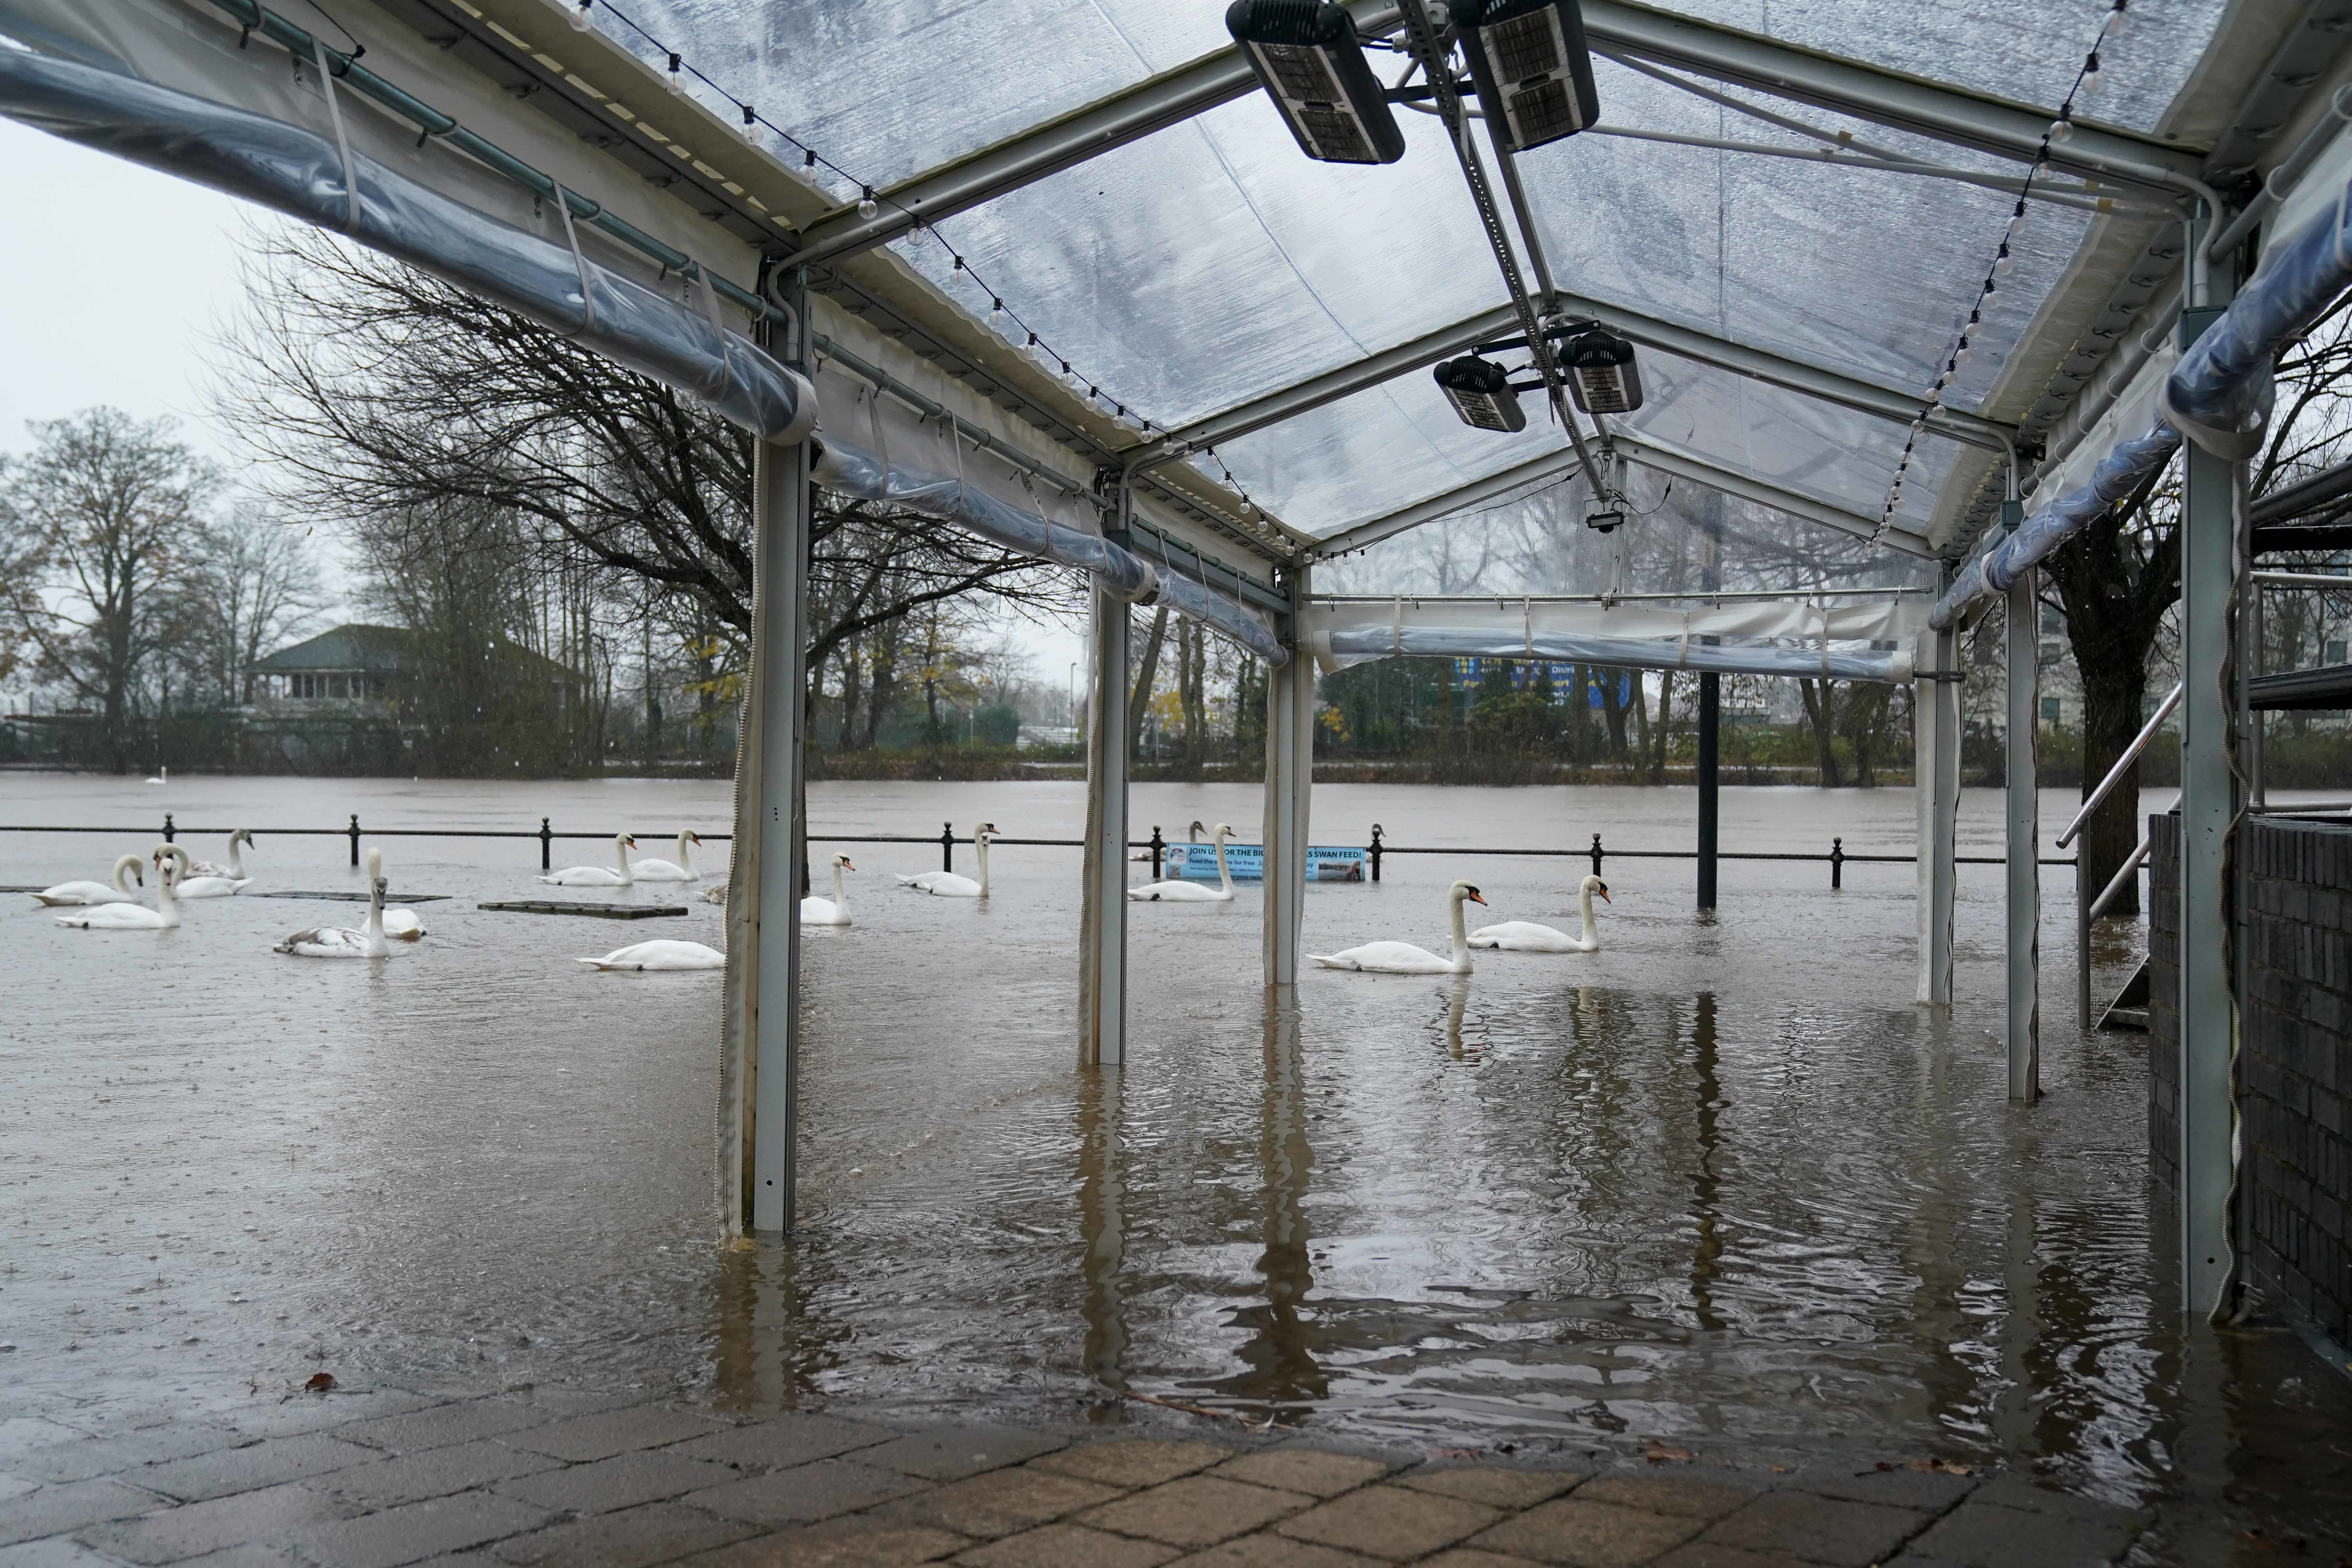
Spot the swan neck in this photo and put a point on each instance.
(1461, 931)
(686, 855)
(979, 848)
(840, 894)
(1224, 876)
(122, 866)
(1584, 907)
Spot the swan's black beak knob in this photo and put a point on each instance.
(1603, 891)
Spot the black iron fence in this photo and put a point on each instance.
(1837, 859)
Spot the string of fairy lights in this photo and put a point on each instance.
(2087, 82)
(1007, 320)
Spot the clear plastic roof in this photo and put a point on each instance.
(1211, 264)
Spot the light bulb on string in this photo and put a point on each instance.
(868, 207)
(750, 125)
(2062, 127)
(2090, 82)
(2113, 27)
(581, 19)
(2005, 261)
(677, 75)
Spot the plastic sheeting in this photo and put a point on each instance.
(2221, 391)
(880, 475)
(1639, 636)
(303, 174)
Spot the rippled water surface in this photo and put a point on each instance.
(1720, 1181)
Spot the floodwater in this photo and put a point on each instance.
(1719, 1184)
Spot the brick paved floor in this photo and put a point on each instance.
(377, 1478)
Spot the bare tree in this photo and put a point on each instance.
(376, 392)
(254, 583)
(98, 526)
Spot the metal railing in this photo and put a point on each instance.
(1837, 857)
(2123, 763)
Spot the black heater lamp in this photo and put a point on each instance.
(1608, 521)
(1602, 372)
(1307, 58)
(1533, 72)
(1480, 391)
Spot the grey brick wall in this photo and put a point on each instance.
(2295, 1062)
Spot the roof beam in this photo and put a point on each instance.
(1892, 404)
(1088, 131)
(1681, 464)
(1917, 104)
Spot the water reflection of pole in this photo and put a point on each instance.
(1281, 1361)
(1707, 1256)
(1102, 1224)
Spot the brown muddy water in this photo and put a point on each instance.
(1720, 1183)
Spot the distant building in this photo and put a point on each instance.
(349, 666)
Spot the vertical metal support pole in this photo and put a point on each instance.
(1837, 864)
(2025, 887)
(355, 838)
(1102, 935)
(947, 846)
(2250, 664)
(2209, 803)
(759, 1070)
(546, 847)
(1289, 777)
(1373, 852)
(1710, 719)
(1595, 852)
(1936, 749)
(779, 519)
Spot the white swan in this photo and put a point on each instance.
(684, 870)
(97, 892)
(402, 925)
(1182, 892)
(1192, 835)
(137, 917)
(948, 884)
(667, 954)
(164, 776)
(1403, 957)
(713, 895)
(1525, 936)
(344, 941)
(189, 885)
(831, 911)
(599, 875)
(235, 866)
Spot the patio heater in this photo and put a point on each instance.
(1312, 65)
(1481, 392)
(1602, 372)
(1533, 72)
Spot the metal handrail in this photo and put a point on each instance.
(2130, 869)
(2115, 774)
(2341, 582)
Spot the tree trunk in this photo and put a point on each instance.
(1612, 709)
(883, 690)
(1140, 698)
(1666, 727)
(1821, 701)
(1641, 725)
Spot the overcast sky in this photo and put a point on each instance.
(110, 285)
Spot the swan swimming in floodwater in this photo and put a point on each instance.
(1192, 835)
(1403, 957)
(1525, 936)
(599, 875)
(948, 884)
(97, 892)
(344, 941)
(235, 869)
(402, 925)
(684, 870)
(189, 884)
(137, 917)
(831, 911)
(667, 955)
(163, 776)
(1180, 891)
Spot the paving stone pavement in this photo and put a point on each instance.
(382, 1478)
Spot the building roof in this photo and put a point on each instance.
(379, 650)
(375, 649)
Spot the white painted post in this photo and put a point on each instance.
(1289, 779)
(2024, 891)
(1936, 750)
(2208, 803)
(758, 1087)
(1102, 935)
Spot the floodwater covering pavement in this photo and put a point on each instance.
(1719, 1186)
